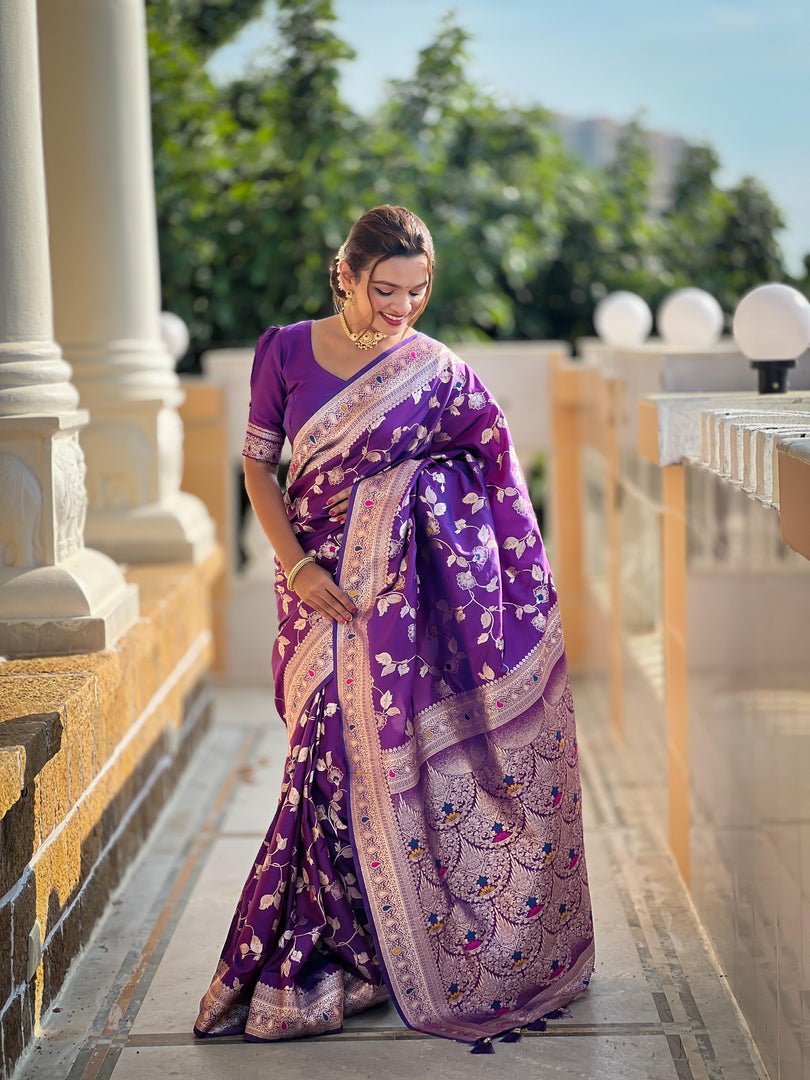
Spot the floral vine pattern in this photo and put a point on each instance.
(444, 845)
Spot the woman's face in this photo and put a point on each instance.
(387, 297)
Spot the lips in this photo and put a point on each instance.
(392, 320)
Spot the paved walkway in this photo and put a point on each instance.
(657, 1008)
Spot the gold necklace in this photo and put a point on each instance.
(363, 339)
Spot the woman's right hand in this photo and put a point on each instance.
(317, 588)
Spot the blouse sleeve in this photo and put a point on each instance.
(265, 431)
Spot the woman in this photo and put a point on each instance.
(428, 840)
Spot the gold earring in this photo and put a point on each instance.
(349, 298)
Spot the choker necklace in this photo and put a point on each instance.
(363, 339)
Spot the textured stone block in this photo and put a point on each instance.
(24, 915)
(53, 968)
(27, 1012)
(11, 1024)
(27, 746)
(90, 844)
(91, 906)
(5, 953)
(71, 934)
(16, 842)
(97, 699)
(12, 770)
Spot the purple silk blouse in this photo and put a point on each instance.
(288, 386)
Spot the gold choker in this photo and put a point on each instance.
(363, 339)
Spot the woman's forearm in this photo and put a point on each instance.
(267, 501)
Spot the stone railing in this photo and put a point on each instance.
(681, 513)
(740, 437)
(90, 749)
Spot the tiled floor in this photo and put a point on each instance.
(657, 1008)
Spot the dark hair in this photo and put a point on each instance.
(382, 233)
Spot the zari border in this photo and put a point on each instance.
(291, 1012)
(309, 666)
(272, 1013)
(363, 403)
(484, 708)
(262, 444)
(392, 903)
(363, 572)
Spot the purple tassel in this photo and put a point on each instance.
(511, 1036)
(558, 1014)
(538, 1025)
(482, 1046)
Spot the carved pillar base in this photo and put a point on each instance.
(134, 464)
(55, 595)
(175, 530)
(83, 606)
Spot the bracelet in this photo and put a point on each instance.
(298, 566)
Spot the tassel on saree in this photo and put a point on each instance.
(556, 1014)
(482, 1046)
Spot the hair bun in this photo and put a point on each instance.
(385, 232)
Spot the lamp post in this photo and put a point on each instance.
(772, 328)
(623, 320)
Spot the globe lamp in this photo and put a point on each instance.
(623, 319)
(772, 328)
(174, 333)
(690, 319)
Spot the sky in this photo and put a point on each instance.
(735, 73)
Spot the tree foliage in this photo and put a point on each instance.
(257, 182)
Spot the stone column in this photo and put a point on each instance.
(55, 595)
(104, 257)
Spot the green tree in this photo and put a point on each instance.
(297, 165)
(207, 24)
(608, 240)
(580, 274)
(257, 181)
(694, 220)
(484, 175)
(721, 241)
(192, 132)
(250, 179)
(802, 282)
(748, 252)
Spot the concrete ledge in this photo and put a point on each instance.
(759, 443)
(90, 749)
(26, 744)
(794, 485)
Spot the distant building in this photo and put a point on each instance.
(594, 141)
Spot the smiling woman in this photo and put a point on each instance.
(390, 289)
(428, 842)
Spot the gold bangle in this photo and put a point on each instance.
(298, 566)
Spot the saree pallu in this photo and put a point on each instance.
(428, 842)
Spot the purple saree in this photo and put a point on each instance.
(428, 841)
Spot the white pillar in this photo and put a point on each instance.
(106, 279)
(55, 595)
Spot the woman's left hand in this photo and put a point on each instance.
(338, 505)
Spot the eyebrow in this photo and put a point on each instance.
(393, 285)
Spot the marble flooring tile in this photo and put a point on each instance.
(576, 1057)
(657, 1008)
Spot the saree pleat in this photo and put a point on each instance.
(428, 841)
(299, 952)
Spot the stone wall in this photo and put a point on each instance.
(90, 749)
